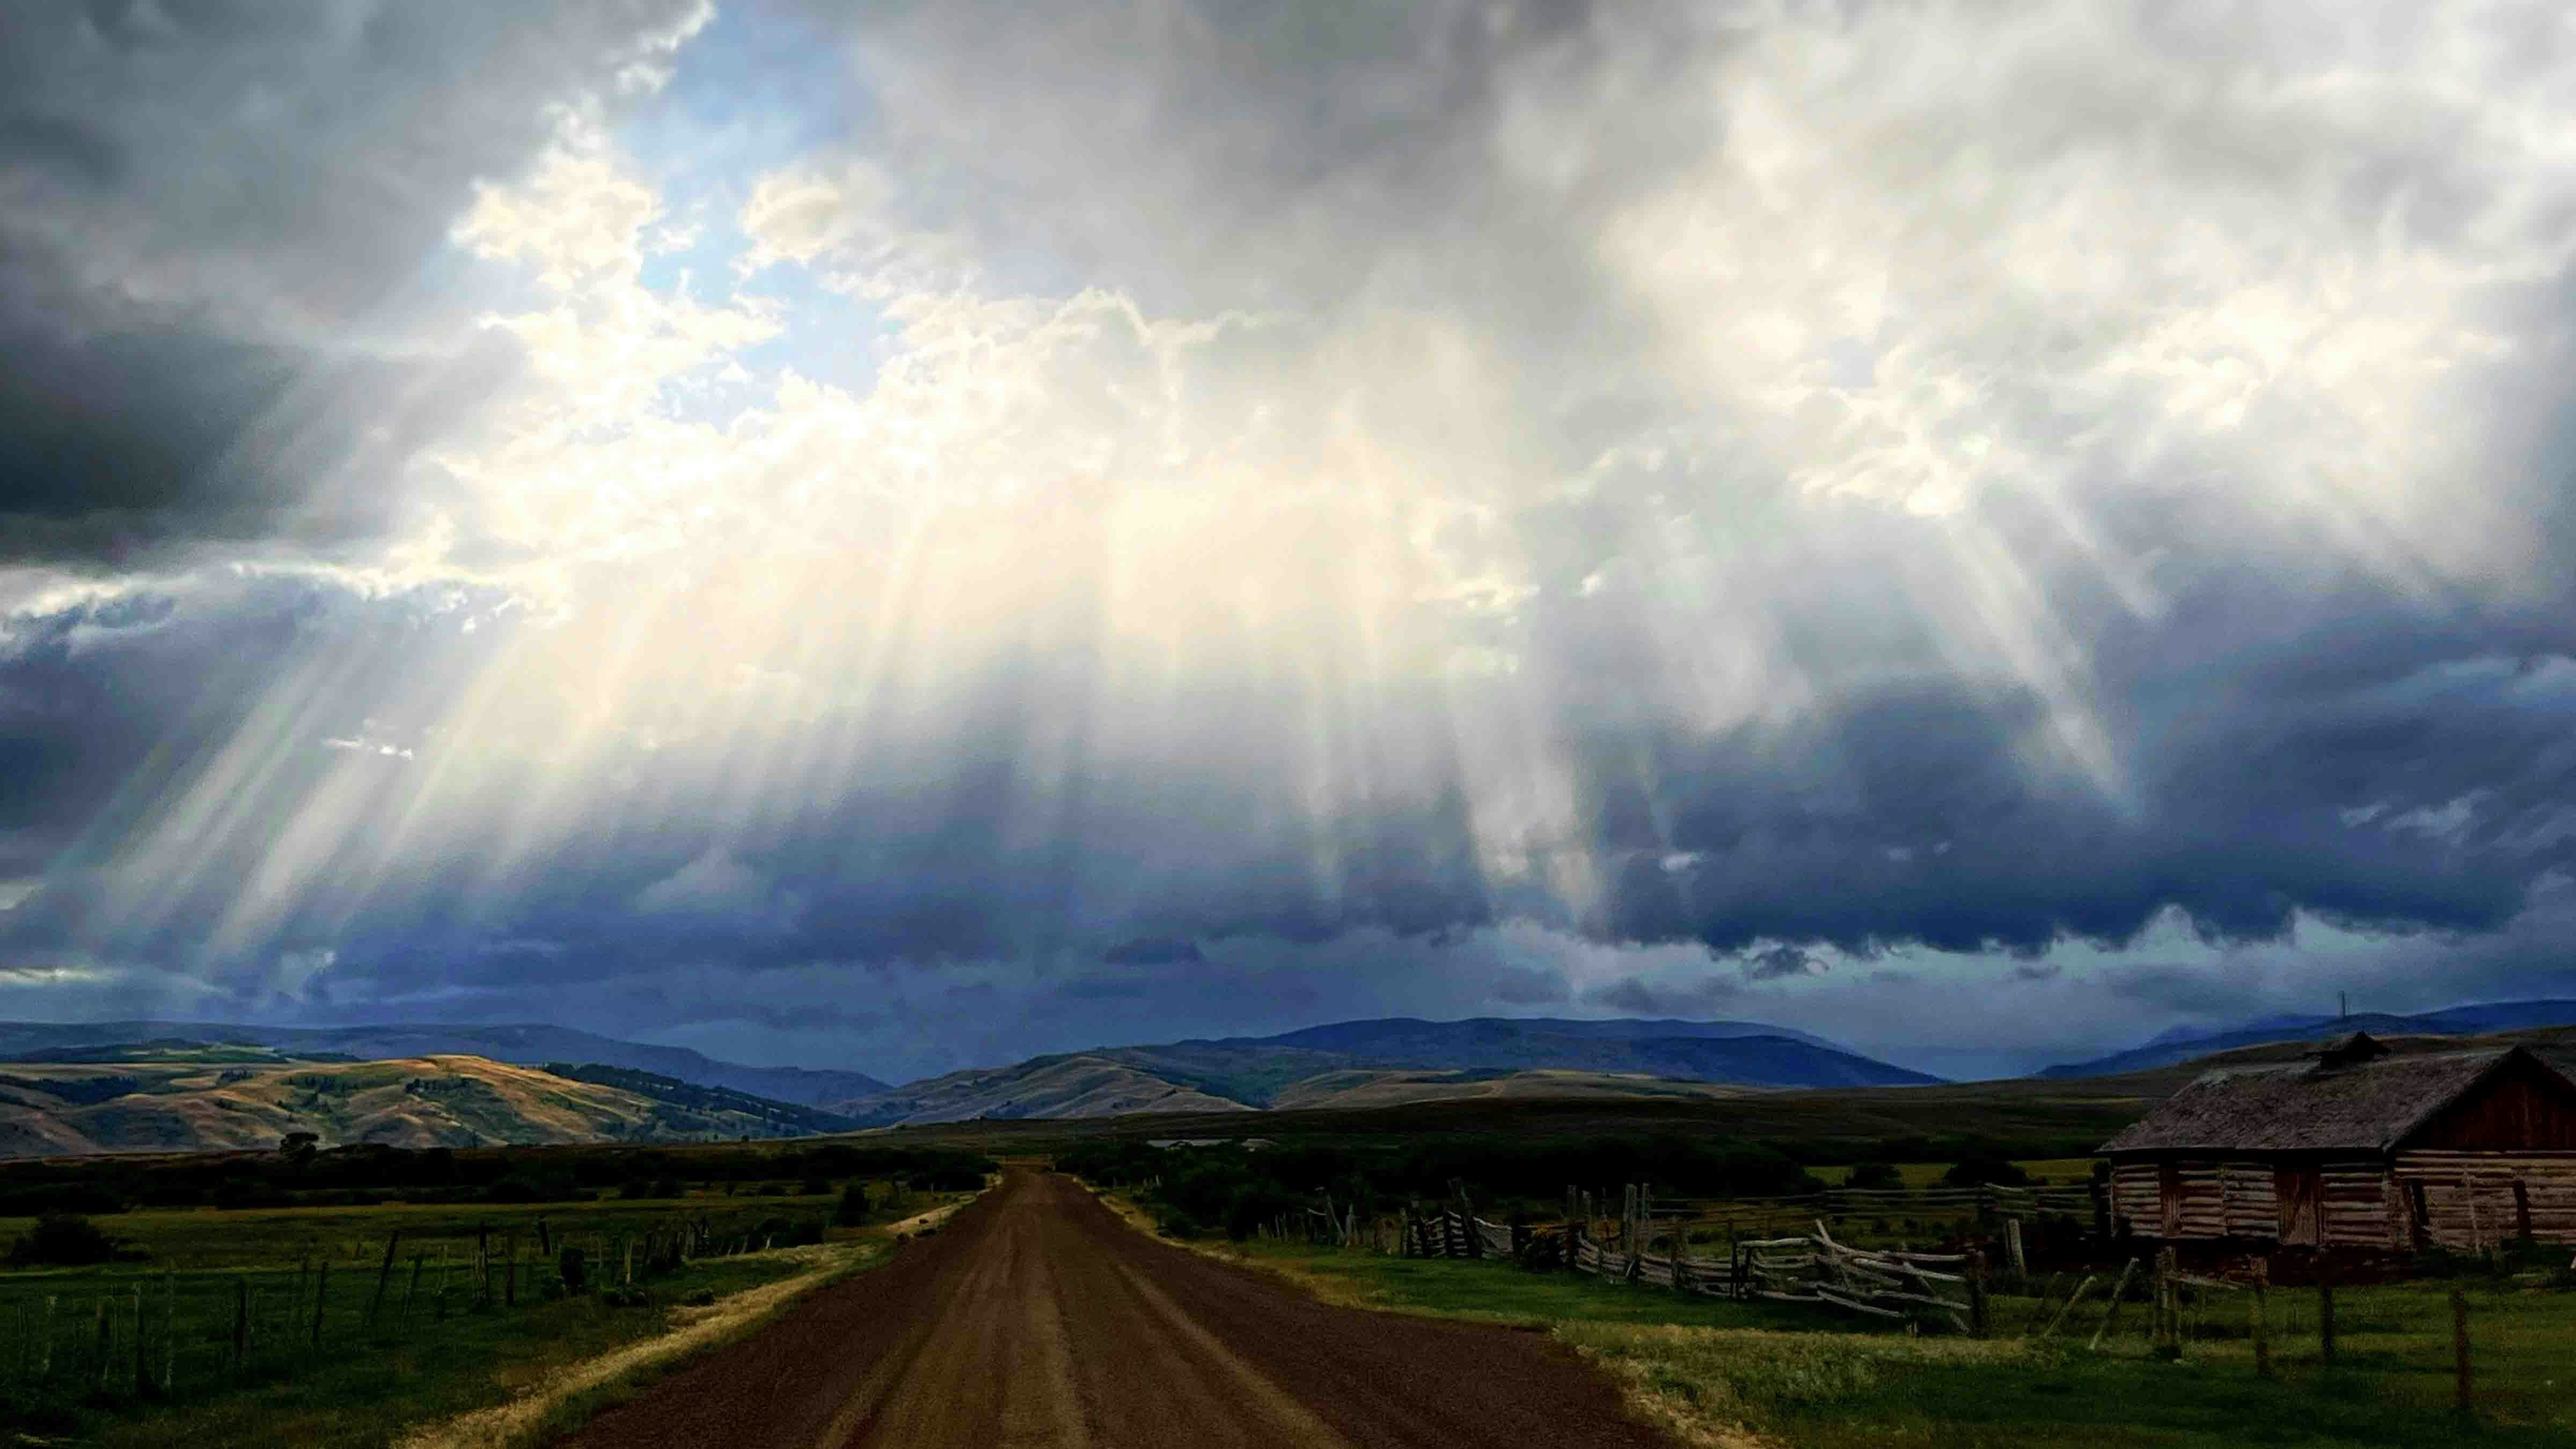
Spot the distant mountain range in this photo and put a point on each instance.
(1348, 1064)
(1381, 1063)
(527, 1045)
(2178, 1045)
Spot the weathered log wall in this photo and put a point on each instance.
(2472, 1199)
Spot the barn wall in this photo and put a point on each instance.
(2353, 1207)
(2469, 1196)
(2524, 1107)
(2203, 1205)
(2133, 1196)
(2217, 1198)
(2253, 1207)
(2237, 1197)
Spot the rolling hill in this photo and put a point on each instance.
(232, 1098)
(1387, 1061)
(1079, 1085)
(527, 1044)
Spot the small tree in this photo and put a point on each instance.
(1875, 1176)
(574, 1268)
(1984, 1169)
(854, 1205)
(65, 1240)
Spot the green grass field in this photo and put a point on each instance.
(2044, 1172)
(187, 1238)
(433, 1347)
(1800, 1378)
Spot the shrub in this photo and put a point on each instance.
(853, 1209)
(1982, 1170)
(65, 1240)
(815, 1186)
(1875, 1176)
(574, 1269)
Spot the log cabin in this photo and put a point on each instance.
(2358, 1146)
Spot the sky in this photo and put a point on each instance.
(906, 536)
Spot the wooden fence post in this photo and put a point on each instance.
(2161, 1337)
(1978, 1323)
(142, 1369)
(2325, 1317)
(2255, 1307)
(2460, 1344)
(321, 1290)
(2013, 1256)
(2118, 1290)
(2071, 1300)
(241, 1325)
(384, 1276)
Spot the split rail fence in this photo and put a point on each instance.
(1648, 1242)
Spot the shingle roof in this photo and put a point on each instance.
(2309, 1106)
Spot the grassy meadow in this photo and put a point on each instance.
(1794, 1376)
(342, 1349)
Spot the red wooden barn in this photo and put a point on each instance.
(2358, 1145)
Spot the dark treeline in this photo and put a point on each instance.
(1228, 1188)
(366, 1173)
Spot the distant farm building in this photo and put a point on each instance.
(2358, 1146)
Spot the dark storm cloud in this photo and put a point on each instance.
(213, 224)
(1152, 953)
(1777, 713)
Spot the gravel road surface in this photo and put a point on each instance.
(1037, 1317)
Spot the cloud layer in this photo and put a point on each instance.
(1163, 519)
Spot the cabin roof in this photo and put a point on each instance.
(2338, 1100)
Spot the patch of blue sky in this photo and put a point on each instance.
(756, 91)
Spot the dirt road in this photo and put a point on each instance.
(1036, 1317)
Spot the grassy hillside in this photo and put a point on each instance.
(526, 1044)
(1046, 1088)
(1379, 1063)
(192, 1104)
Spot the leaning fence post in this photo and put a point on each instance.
(1977, 1312)
(2072, 1299)
(2117, 1290)
(2460, 1344)
(2255, 1306)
